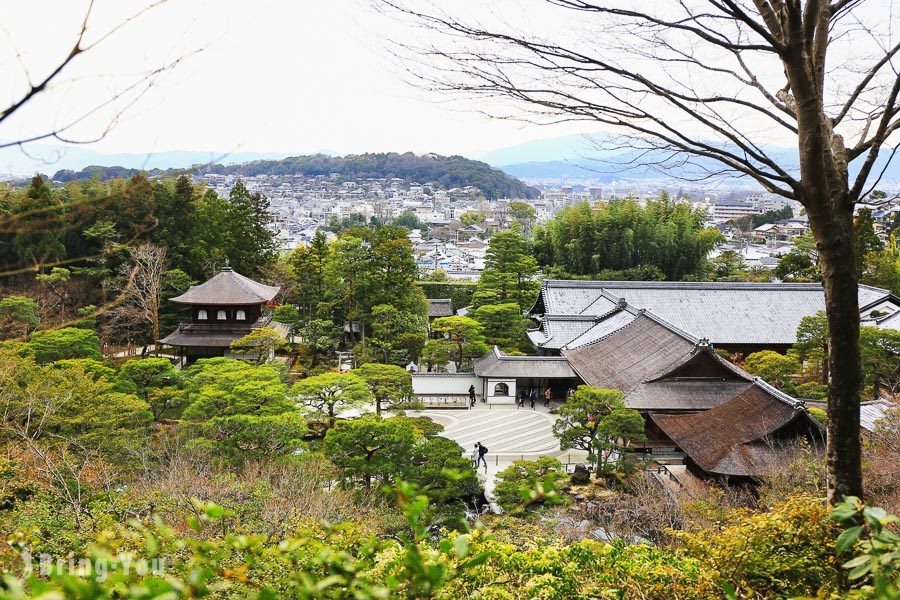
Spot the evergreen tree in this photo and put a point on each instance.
(509, 270)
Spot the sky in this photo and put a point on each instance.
(264, 76)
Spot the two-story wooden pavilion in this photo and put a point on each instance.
(223, 309)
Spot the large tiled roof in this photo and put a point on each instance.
(557, 332)
(634, 353)
(688, 395)
(740, 437)
(724, 313)
(497, 364)
(228, 288)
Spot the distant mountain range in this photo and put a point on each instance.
(47, 158)
(568, 158)
(581, 157)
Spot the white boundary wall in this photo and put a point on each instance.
(445, 383)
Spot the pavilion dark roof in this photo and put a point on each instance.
(228, 288)
(742, 437)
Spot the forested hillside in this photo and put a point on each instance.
(448, 171)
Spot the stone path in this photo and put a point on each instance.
(509, 433)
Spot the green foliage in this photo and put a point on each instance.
(812, 390)
(238, 438)
(751, 222)
(459, 292)
(509, 270)
(818, 414)
(328, 394)
(882, 268)
(774, 368)
(408, 219)
(785, 552)
(584, 241)
(370, 448)
(530, 483)
(472, 218)
(390, 385)
(307, 273)
(69, 406)
(69, 342)
(153, 380)
(397, 337)
(238, 411)
(596, 421)
(447, 171)
(259, 344)
(504, 326)
(464, 340)
(875, 569)
(319, 337)
(288, 315)
(728, 266)
(19, 315)
(801, 263)
(880, 352)
(89, 219)
(812, 342)
(865, 239)
(369, 268)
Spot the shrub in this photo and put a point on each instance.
(528, 483)
(788, 551)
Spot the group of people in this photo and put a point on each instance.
(478, 455)
(531, 395)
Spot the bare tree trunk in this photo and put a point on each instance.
(839, 278)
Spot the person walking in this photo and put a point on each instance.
(472, 396)
(547, 395)
(482, 452)
(532, 395)
(520, 399)
(475, 455)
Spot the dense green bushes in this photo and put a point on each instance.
(623, 236)
(787, 552)
(459, 292)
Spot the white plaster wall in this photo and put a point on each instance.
(430, 383)
(492, 399)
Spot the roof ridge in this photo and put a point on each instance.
(743, 285)
(637, 314)
(778, 394)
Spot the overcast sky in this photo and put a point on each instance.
(273, 76)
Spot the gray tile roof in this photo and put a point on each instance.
(724, 313)
(873, 411)
(609, 325)
(497, 364)
(440, 307)
(228, 288)
(557, 332)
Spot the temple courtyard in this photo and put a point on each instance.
(509, 433)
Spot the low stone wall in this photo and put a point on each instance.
(445, 390)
